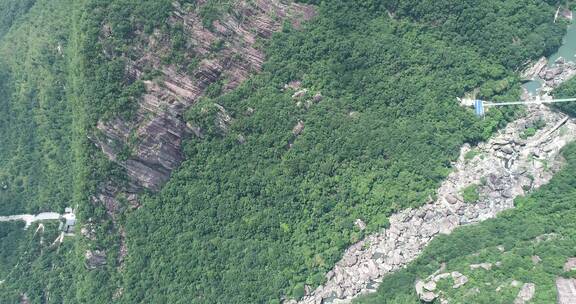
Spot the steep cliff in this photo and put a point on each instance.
(225, 53)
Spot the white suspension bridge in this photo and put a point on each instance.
(480, 105)
(68, 219)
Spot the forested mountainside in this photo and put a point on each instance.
(532, 245)
(222, 151)
(36, 120)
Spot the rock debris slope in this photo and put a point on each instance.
(503, 168)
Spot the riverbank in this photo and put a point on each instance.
(548, 73)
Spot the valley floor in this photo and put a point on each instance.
(499, 170)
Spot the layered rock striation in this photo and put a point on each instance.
(226, 54)
(223, 54)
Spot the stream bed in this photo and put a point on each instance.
(566, 51)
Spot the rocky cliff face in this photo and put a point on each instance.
(501, 169)
(226, 53)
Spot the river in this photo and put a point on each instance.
(566, 51)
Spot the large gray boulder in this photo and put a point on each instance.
(526, 293)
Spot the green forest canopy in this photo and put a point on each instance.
(253, 222)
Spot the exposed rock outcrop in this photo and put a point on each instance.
(556, 74)
(505, 167)
(95, 258)
(533, 71)
(148, 145)
(566, 289)
(526, 293)
(426, 289)
(154, 137)
(570, 264)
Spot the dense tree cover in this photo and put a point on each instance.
(500, 30)
(11, 10)
(34, 265)
(242, 223)
(46, 160)
(36, 118)
(55, 83)
(10, 235)
(567, 90)
(542, 224)
(252, 222)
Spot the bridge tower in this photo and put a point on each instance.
(479, 107)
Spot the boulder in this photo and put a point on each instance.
(350, 260)
(570, 264)
(241, 139)
(441, 276)
(294, 85)
(300, 94)
(448, 224)
(526, 293)
(307, 289)
(566, 289)
(360, 224)
(507, 149)
(430, 286)
(298, 128)
(451, 199)
(485, 266)
(460, 281)
(317, 97)
(95, 258)
(426, 296)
